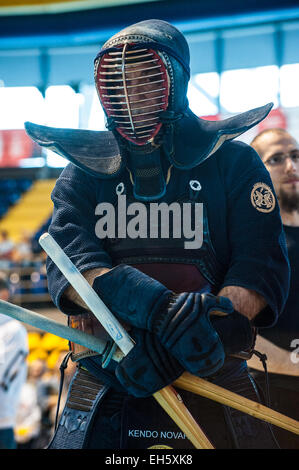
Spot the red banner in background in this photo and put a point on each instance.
(276, 118)
(213, 117)
(15, 145)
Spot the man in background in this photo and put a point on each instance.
(280, 154)
(13, 370)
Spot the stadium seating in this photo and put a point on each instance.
(11, 191)
(26, 210)
(31, 211)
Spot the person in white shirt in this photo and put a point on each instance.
(13, 370)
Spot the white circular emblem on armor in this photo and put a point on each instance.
(262, 197)
(120, 189)
(195, 185)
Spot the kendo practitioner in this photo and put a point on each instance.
(157, 151)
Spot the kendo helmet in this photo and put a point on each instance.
(141, 76)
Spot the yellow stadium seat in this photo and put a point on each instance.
(50, 342)
(37, 354)
(31, 211)
(63, 344)
(34, 340)
(55, 358)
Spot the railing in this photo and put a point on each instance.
(28, 282)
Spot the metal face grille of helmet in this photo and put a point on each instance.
(133, 87)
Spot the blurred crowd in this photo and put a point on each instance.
(36, 411)
(24, 264)
(29, 382)
(22, 252)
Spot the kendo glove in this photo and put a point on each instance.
(148, 367)
(184, 323)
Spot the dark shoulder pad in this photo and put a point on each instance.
(95, 152)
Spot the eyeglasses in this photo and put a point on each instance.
(280, 158)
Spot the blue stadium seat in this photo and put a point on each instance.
(11, 191)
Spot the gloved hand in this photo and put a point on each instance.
(148, 367)
(183, 323)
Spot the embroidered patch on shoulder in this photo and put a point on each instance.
(262, 198)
